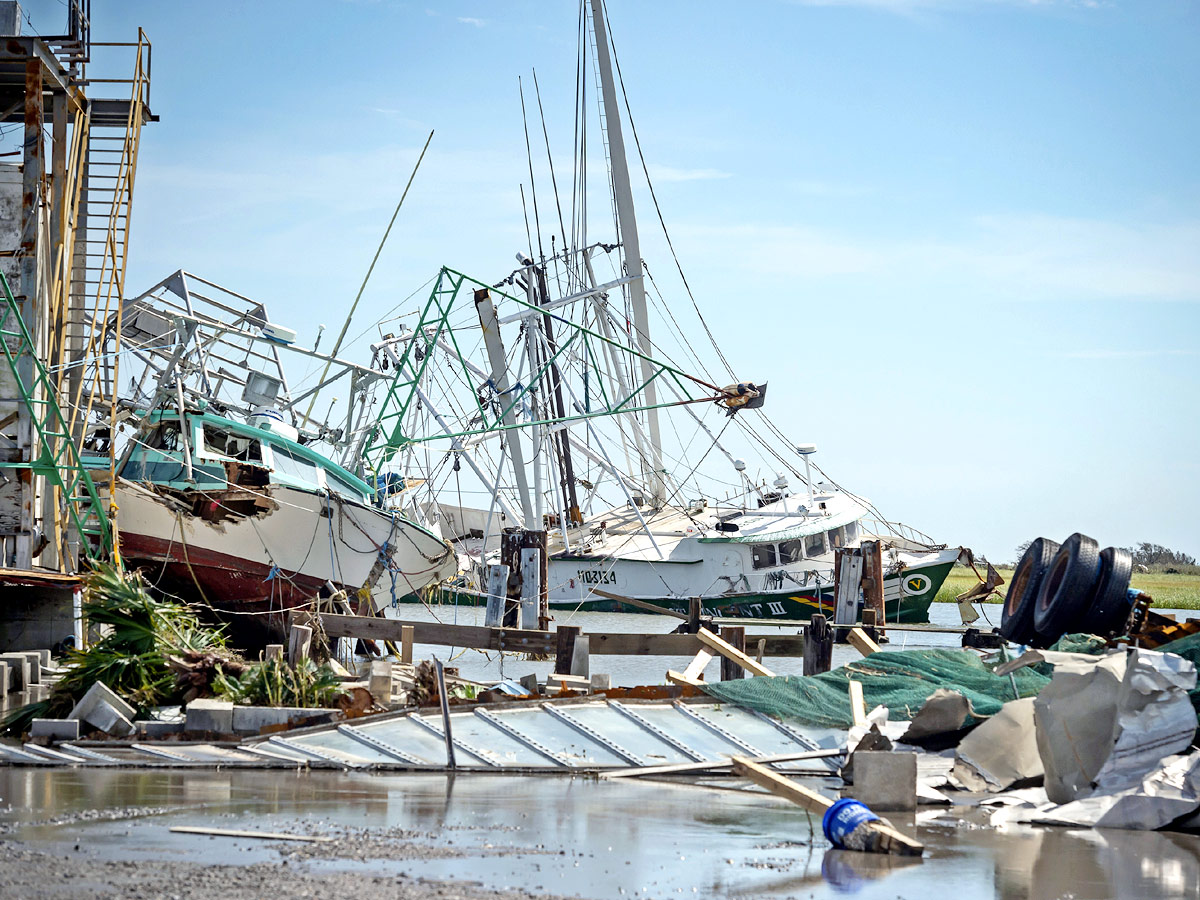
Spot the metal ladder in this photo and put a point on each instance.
(58, 459)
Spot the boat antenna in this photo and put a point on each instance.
(371, 268)
(537, 219)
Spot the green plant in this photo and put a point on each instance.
(132, 658)
(274, 683)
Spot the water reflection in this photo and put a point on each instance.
(591, 838)
(1050, 863)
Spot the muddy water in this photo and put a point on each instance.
(569, 836)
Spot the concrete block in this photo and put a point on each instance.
(210, 715)
(885, 780)
(7, 677)
(601, 682)
(253, 719)
(18, 668)
(35, 666)
(152, 728)
(38, 692)
(380, 682)
(101, 708)
(59, 729)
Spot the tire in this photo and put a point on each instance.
(1110, 601)
(1067, 588)
(1016, 623)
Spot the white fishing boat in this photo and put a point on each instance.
(543, 396)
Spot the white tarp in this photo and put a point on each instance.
(1104, 723)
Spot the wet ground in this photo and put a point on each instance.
(105, 832)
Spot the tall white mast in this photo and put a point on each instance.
(630, 249)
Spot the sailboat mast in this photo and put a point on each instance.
(630, 249)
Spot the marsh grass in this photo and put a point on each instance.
(1168, 591)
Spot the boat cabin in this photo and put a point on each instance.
(225, 453)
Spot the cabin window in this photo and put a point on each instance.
(836, 538)
(851, 532)
(159, 459)
(814, 545)
(295, 468)
(235, 446)
(763, 556)
(791, 552)
(342, 487)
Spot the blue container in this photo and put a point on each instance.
(843, 817)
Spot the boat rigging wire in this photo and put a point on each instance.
(371, 268)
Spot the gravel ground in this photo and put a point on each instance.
(36, 875)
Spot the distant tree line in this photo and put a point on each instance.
(1152, 556)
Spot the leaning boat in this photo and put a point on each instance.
(228, 491)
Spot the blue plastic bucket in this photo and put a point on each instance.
(843, 817)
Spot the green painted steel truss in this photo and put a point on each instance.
(582, 346)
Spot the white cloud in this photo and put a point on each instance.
(469, 20)
(1010, 257)
(669, 173)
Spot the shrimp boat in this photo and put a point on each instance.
(227, 492)
(543, 395)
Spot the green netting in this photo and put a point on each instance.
(1091, 644)
(901, 681)
(1189, 648)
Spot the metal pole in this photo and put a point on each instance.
(630, 247)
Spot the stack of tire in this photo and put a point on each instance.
(1064, 588)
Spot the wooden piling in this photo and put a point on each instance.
(818, 646)
(565, 648)
(735, 636)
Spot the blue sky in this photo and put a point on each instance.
(961, 238)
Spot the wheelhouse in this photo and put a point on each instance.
(221, 449)
(767, 555)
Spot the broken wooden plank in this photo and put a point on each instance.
(890, 840)
(263, 835)
(682, 680)
(406, 644)
(861, 642)
(730, 652)
(695, 669)
(858, 708)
